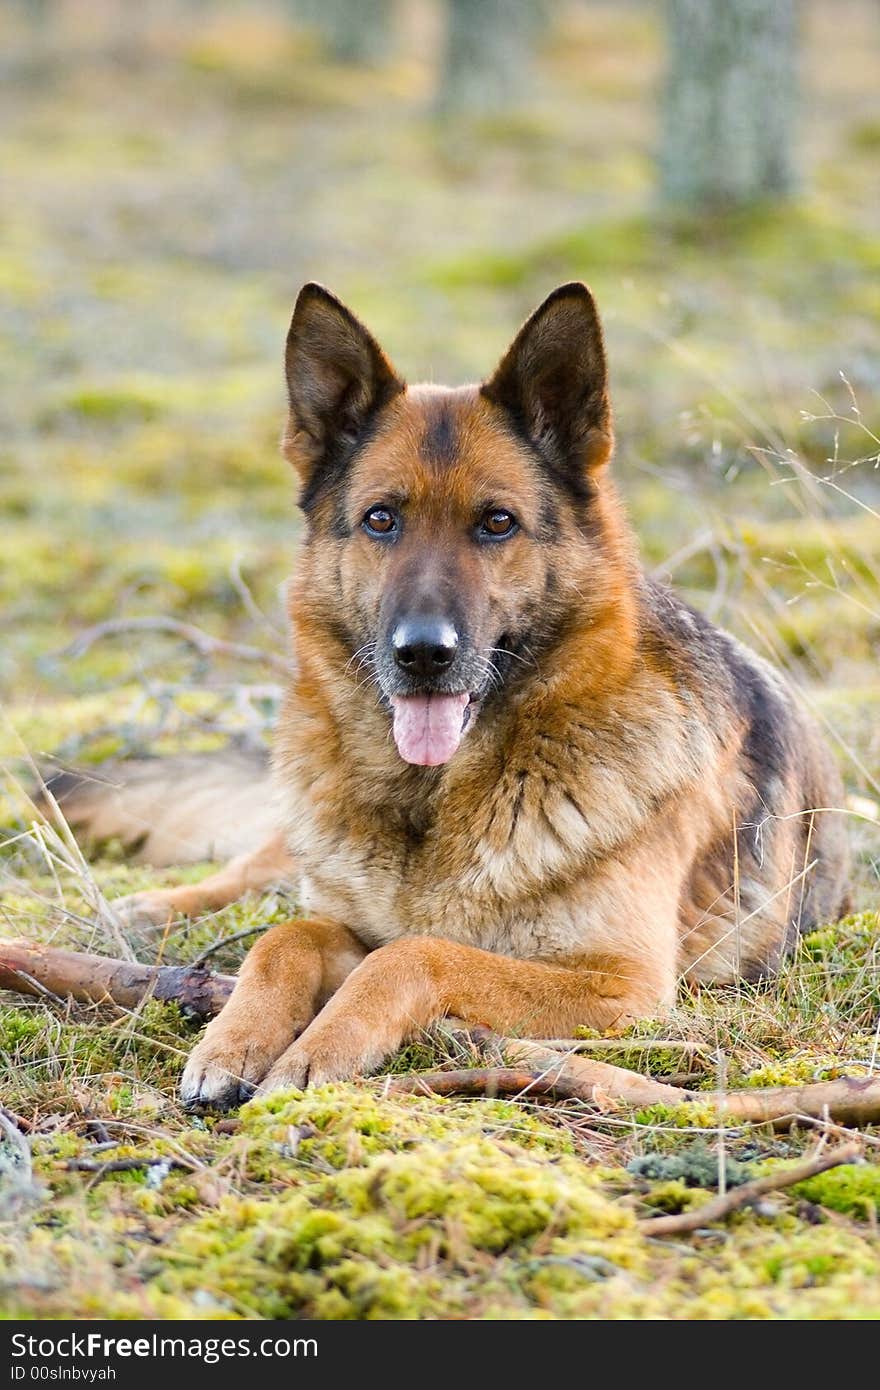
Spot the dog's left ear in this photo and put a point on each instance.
(337, 379)
(553, 382)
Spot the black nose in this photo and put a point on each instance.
(424, 646)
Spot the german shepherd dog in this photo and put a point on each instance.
(521, 782)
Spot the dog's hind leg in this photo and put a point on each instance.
(285, 979)
(265, 867)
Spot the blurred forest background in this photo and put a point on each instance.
(172, 171)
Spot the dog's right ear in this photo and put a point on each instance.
(553, 382)
(337, 378)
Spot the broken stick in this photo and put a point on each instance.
(695, 1218)
(29, 968)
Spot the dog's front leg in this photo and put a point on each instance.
(283, 982)
(404, 987)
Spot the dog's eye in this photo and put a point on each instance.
(380, 521)
(498, 524)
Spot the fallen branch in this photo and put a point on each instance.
(203, 642)
(486, 1081)
(697, 1217)
(596, 1081)
(538, 1069)
(850, 1100)
(29, 968)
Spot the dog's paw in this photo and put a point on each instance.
(222, 1074)
(237, 1051)
(144, 911)
(290, 1072)
(324, 1054)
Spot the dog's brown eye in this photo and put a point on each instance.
(380, 521)
(498, 523)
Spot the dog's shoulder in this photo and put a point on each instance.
(729, 676)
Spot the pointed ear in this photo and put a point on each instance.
(337, 378)
(553, 382)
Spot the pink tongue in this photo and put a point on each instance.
(427, 728)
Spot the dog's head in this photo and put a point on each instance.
(452, 532)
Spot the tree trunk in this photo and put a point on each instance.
(352, 31)
(489, 47)
(730, 101)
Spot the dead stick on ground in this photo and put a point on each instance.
(850, 1100)
(486, 1081)
(697, 1217)
(29, 968)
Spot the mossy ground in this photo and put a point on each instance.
(147, 271)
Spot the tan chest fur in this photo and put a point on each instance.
(504, 849)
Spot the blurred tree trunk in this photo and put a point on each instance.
(730, 101)
(489, 48)
(353, 31)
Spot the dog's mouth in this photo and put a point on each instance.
(429, 727)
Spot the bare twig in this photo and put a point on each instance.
(29, 984)
(721, 1206)
(251, 606)
(202, 641)
(227, 940)
(598, 1082)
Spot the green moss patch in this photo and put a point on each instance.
(855, 1191)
